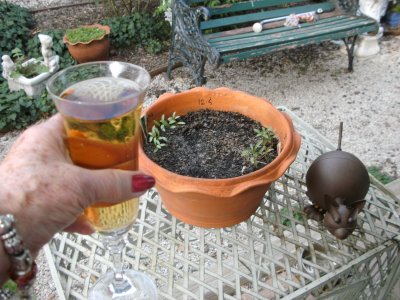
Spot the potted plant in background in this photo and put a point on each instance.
(216, 203)
(30, 74)
(88, 42)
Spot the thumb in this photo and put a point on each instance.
(113, 185)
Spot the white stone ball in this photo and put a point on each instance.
(257, 27)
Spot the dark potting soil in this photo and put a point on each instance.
(209, 145)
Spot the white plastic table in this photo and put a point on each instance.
(276, 254)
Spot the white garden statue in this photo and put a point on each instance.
(50, 59)
(374, 8)
(368, 45)
(7, 65)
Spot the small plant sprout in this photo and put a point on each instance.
(259, 153)
(169, 123)
(155, 137)
(265, 134)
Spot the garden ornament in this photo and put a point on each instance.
(367, 44)
(50, 59)
(337, 182)
(290, 20)
(34, 83)
(7, 65)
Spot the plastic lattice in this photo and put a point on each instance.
(276, 254)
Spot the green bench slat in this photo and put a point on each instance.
(293, 44)
(293, 35)
(222, 36)
(248, 5)
(282, 33)
(258, 16)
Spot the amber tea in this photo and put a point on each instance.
(110, 140)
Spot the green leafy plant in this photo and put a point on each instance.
(18, 111)
(395, 8)
(8, 290)
(29, 70)
(15, 26)
(379, 174)
(10, 285)
(214, 3)
(155, 137)
(286, 215)
(164, 6)
(140, 29)
(124, 7)
(59, 48)
(260, 152)
(84, 34)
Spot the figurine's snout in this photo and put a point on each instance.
(340, 233)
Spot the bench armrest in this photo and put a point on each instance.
(186, 25)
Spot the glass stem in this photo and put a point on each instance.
(115, 244)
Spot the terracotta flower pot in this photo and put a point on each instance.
(216, 203)
(94, 50)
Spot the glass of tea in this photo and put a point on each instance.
(101, 103)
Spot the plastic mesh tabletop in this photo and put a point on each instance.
(276, 254)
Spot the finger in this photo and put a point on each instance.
(81, 225)
(112, 185)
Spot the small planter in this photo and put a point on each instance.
(216, 203)
(93, 50)
(34, 86)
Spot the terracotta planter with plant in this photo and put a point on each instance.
(88, 43)
(216, 203)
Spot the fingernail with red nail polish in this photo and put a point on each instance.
(141, 183)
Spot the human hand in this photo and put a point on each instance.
(47, 193)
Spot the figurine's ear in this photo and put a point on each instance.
(357, 207)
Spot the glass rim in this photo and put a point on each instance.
(105, 62)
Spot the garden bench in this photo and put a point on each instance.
(224, 33)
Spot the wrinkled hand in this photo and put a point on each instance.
(47, 193)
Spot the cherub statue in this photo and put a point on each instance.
(7, 65)
(50, 59)
(374, 8)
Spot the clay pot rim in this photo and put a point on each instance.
(105, 27)
(231, 184)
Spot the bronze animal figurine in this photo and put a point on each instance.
(337, 182)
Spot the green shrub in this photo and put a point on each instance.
(17, 110)
(140, 29)
(33, 47)
(15, 27)
(126, 7)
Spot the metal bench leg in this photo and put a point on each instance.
(195, 62)
(350, 42)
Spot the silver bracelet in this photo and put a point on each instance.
(23, 268)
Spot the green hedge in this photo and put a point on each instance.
(18, 111)
(140, 29)
(15, 27)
